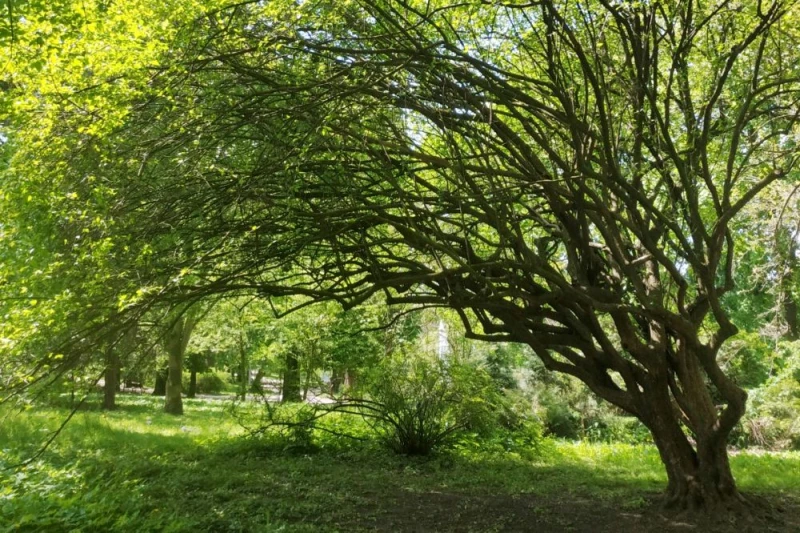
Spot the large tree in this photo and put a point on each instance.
(562, 174)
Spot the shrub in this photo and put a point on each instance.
(615, 428)
(562, 421)
(771, 419)
(747, 359)
(420, 404)
(211, 383)
(413, 406)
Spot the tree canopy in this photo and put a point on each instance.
(561, 174)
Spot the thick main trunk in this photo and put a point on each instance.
(350, 378)
(698, 478)
(256, 386)
(306, 385)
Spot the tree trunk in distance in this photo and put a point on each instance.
(291, 380)
(256, 386)
(173, 402)
(787, 286)
(160, 387)
(306, 384)
(192, 392)
(244, 371)
(350, 378)
(111, 380)
(336, 381)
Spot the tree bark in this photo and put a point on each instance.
(336, 381)
(160, 387)
(192, 392)
(350, 378)
(699, 476)
(256, 384)
(176, 342)
(790, 314)
(111, 380)
(291, 380)
(244, 371)
(173, 403)
(787, 282)
(306, 384)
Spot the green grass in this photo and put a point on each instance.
(137, 469)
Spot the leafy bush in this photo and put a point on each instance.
(771, 418)
(747, 359)
(569, 411)
(525, 440)
(615, 428)
(562, 421)
(411, 406)
(419, 404)
(211, 383)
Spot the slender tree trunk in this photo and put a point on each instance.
(244, 371)
(336, 380)
(192, 392)
(176, 342)
(788, 289)
(350, 378)
(790, 314)
(306, 384)
(72, 391)
(787, 268)
(173, 402)
(160, 387)
(256, 385)
(111, 380)
(291, 380)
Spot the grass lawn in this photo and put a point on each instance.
(137, 469)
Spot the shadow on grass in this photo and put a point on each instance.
(119, 472)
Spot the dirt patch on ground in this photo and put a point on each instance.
(450, 512)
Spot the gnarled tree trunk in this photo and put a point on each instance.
(699, 473)
(697, 478)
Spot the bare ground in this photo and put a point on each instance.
(455, 512)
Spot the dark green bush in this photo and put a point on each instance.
(616, 428)
(771, 419)
(562, 421)
(747, 359)
(211, 383)
(411, 405)
(420, 404)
